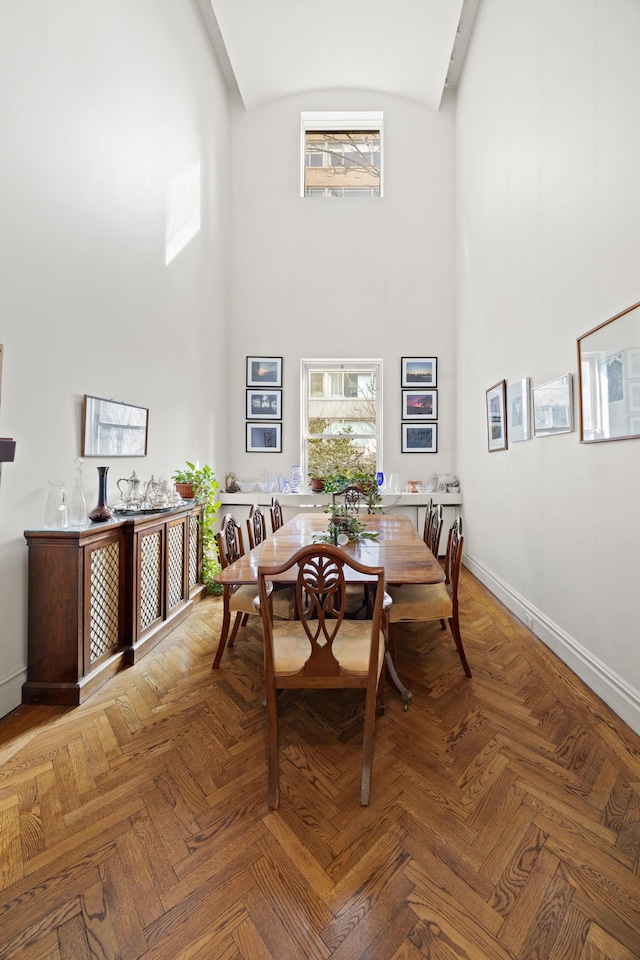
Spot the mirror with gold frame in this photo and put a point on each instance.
(609, 379)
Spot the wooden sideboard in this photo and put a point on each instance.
(100, 596)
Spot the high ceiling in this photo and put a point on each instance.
(274, 48)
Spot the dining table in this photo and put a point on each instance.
(387, 540)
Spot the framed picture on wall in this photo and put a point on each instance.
(496, 418)
(264, 371)
(419, 372)
(553, 407)
(419, 438)
(419, 404)
(518, 416)
(264, 437)
(264, 404)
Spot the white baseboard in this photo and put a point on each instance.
(11, 691)
(623, 699)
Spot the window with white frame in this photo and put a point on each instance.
(341, 415)
(341, 154)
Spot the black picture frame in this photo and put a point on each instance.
(264, 404)
(264, 371)
(264, 437)
(419, 404)
(420, 437)
(419, 372)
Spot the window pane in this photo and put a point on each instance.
(341, 429)
(340, 162)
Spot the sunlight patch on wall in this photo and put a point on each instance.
(183, 210)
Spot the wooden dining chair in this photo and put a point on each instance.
(351, 498)
(421, 602)
(256, 526)
(277, 519)
(435, 529)
(241, 598)
(321, 649)
(427, 520)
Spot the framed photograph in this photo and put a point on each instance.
(419, 372)
(264, 404)
(553, 407)
(264, 437)
(264, 371)
(518, 416)
(421, 438)
(496, 416)
(419, 404)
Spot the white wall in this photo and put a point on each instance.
(331, 278)
(101, 106)
(548, 241)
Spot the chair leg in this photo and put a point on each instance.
(443, 625)
(240, 621)
(273, 760)
(224, 633)
(455, 630)
(367, 747)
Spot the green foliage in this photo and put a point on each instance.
(327, 455)
(365, 479)
(205, 486)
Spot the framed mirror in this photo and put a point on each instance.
(609, 378)
(113, 429)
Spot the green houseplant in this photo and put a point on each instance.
(204, 485)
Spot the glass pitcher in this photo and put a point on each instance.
(55, 514)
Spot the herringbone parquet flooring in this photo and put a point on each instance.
(504, 821)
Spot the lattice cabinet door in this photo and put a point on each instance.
(194, 557)
(176, 551)
(151, 577)
(104, 601)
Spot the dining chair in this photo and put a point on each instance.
(277, 519)
(421, 602)
(435, 529)
(321, 649)
(351, 498)
(256, 526)
(241, 598)
(427, 520)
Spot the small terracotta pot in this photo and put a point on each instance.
(317, 485)
(185, 490)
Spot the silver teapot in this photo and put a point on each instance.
(132, 495)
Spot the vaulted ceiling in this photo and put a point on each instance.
(274, 48)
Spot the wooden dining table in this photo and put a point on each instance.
(395, 545)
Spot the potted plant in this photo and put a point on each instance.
(316, 483)
(203, 486)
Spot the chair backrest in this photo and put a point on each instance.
(229, 541)
(351, 498)
(435, 529)
(453, 559)
(256, 527)
(277, 520)
(427, 520)
(321, 607)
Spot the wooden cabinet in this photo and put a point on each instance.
(101, 596)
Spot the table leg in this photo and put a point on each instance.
(389, 660)
(395, 681)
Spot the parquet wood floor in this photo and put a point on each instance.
(504, 821)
